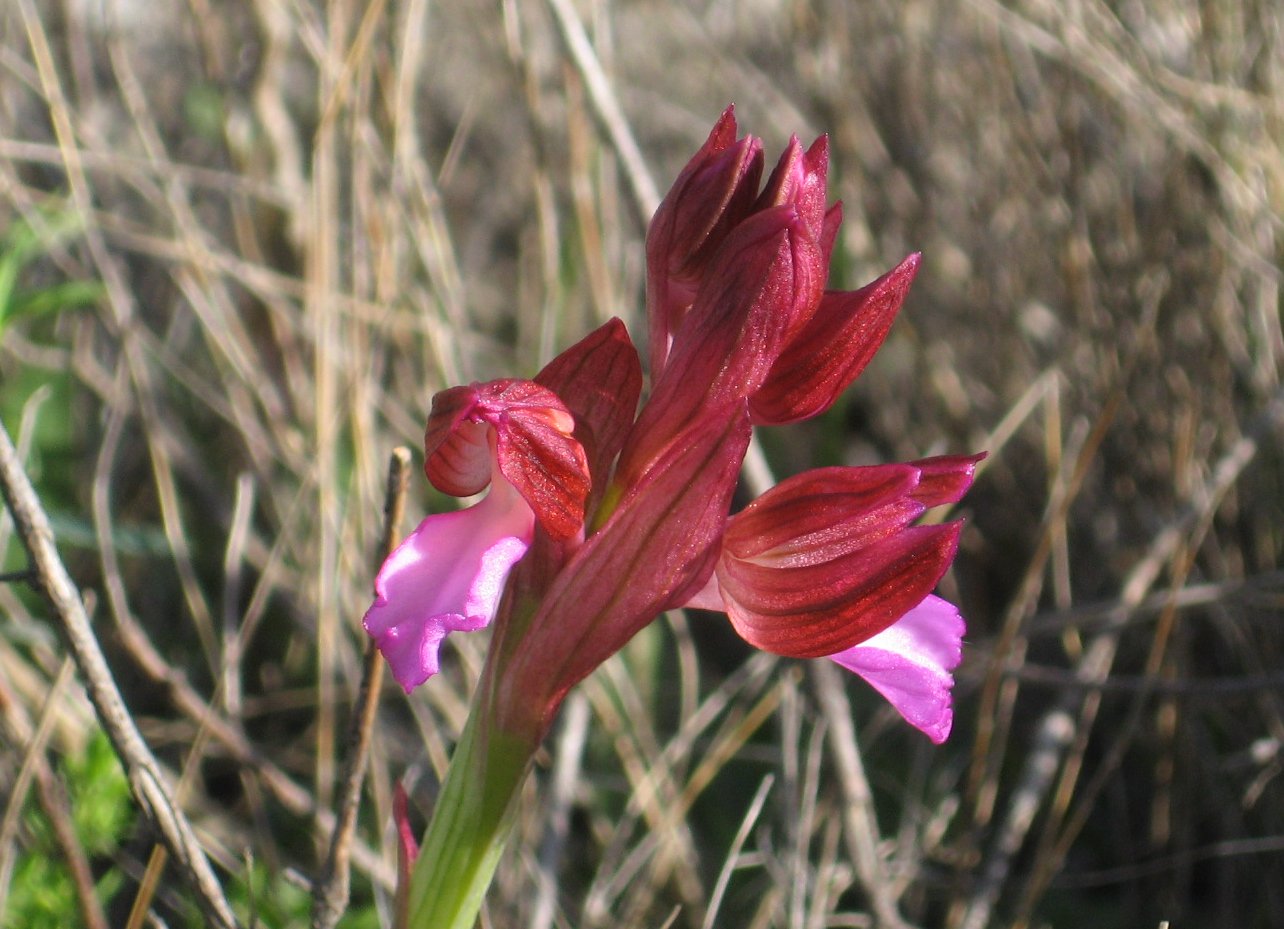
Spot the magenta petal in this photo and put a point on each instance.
(447, 576)
(832, 349)
(910, 662)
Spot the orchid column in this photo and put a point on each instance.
(596, 521)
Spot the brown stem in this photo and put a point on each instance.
(331, 889)
(146, 780)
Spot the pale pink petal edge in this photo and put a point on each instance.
(909, 663)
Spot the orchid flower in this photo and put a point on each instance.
(828, 564)
(449, 574)
(599, 516)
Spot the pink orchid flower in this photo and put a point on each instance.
(600, 516)
(449, 574)
(829, 564)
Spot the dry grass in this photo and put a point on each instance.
(308, 218)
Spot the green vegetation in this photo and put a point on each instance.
(24, 243)
(41, 892)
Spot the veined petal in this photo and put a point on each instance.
(832, 349)
(457, 454)
(946, 478)
(599, 379)
(824, 513)
(765, 279)
(713, 193)
(910, 663)
(656, 550)
(765, 282)
(829, 230)
(816, 610)
(800, 178)
(829, 558)
(447, 576)
(524, 428)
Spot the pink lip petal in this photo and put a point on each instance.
(910, 664)
(447, 576)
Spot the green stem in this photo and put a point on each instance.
(472, 820)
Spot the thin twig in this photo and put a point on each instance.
(146, 780)
(1092, 616)
(733, 853)
(295, 798)
(227, 732)
(148, 886)
(331, 890)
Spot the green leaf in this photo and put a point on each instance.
(56, 298)
(23, 243)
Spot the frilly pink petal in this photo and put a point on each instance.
(447, 576)
(910, 662)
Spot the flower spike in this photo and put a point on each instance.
(598, 516)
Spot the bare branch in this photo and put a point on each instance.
(332, 887)
(146, 780)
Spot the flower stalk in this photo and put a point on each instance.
(471, 824)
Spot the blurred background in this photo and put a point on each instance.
(243, 242)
